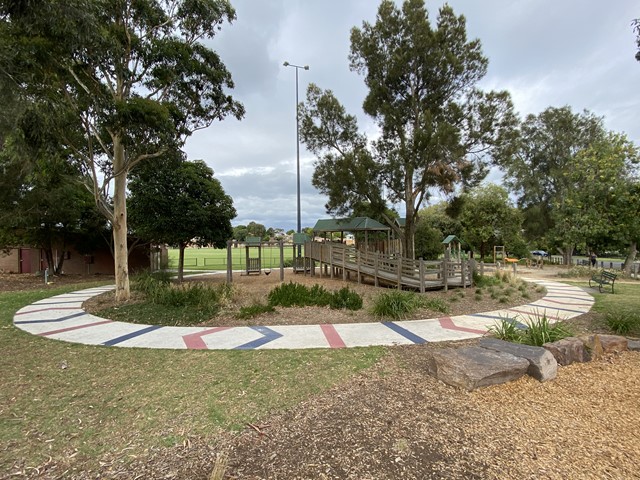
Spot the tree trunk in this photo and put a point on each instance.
(181, 263)
(409, 231)
(631, 257)
(58, 268)
(119, 224)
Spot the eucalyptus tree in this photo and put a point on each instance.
(435, 127)
(535, 173)
(180, 203)
(127, 81)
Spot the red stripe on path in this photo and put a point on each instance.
(194, 341)
(77, 327)
(447, 323)
(332, 336)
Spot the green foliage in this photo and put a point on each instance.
(540, 331)
(137, 80)
(345, 298)
(422, 78)
(254, 310)
(485, 280)
(506, 329)
(537, 332)
(297, 295)
(488, 218)
(623, 322)
(396, 304)
(160, 291)
(435, 304)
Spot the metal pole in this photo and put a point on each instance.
(298, 162)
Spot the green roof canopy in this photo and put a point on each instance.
(355, 224)
(450, 238)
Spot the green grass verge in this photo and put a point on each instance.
(110, 399)
(216, 258)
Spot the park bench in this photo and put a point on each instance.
(603, 278)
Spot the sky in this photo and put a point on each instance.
(579, 53)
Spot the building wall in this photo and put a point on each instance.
(101, 262)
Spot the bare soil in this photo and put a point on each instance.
(254, 289)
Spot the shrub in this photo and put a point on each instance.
(436, 304)
(395, 304)
(254, 310)
(345, 298)
(294, 294)
(623, 322)
(485, 280)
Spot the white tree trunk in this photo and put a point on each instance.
(120, 250)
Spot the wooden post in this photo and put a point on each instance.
(358, 263)
(482, 268)
(344, 264)
(229, 266)
(399, 260)
(375, 269)
(445, 270)
(463, 273)
(331, 259)
(472, 270)
(421, 275)
(281, 260)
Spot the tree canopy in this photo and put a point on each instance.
(436, 128)
(116, 83)
(180, 203)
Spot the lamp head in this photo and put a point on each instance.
(306, 67)
(286, 64)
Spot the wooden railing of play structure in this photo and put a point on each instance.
(338, 260)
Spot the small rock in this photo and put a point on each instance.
(633, 345)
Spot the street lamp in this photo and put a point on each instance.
(297, 67)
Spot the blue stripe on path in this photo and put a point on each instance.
(405, 333)
(128, 336)
(54, 320)
(269, 336)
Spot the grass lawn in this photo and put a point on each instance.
(216, 258)
(76, 403)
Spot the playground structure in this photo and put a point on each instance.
(254, 247)
(336, 260)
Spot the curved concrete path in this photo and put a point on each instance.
(62, 317)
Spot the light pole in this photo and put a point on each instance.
(297, 67)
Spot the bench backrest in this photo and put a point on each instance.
(609, 275)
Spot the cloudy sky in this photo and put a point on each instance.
(545, 52)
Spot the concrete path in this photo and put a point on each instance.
(62, 318)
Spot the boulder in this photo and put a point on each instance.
(568, 350)
(633, 345)
(594, 346)
(614, 343)
(542, 364)
(474, 367)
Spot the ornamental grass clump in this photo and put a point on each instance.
(294, 294)
(534, 331)
(623, 322)
(396, 304)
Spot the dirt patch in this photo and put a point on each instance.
(16, 282)
(254, 289)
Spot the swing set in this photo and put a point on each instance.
(253, 257)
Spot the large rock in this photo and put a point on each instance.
(633, 345)
(569, 350)
(474, 367)
(614, 343)
(542, 364)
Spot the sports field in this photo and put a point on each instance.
(216, 258)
